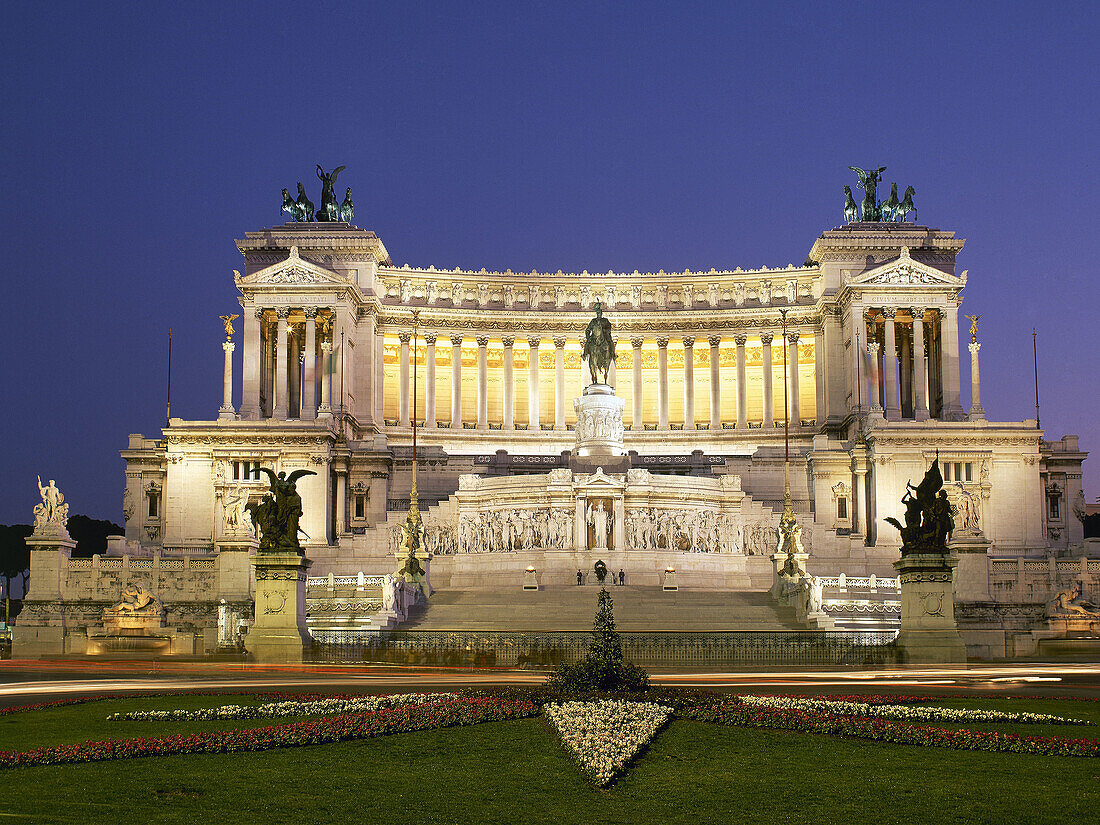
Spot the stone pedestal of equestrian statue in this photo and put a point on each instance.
(278, 632)
(599, 432)
(928, 630)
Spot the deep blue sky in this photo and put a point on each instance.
(138, 140)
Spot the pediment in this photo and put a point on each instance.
(600, 479)
(294, 271)
(905, 271)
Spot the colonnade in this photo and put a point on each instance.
(563, 391)
(912, 362)
(288, 363)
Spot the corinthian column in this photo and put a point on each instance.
(662, 382)
(890, 367)
(326, 378)
(226, 410)
(403, 407)
(715, 384)
(429, 379)
(742, 384)
(792, 380)
(976, 411)
(482, 383)
(309, 367)
(509, 384)
(689, 383)
(559, 383)
(873, 399)
(250, 363)
(282, 371)
(949, 355)
(920, 369)
(533, 384)
(456, 382)
(769, 407)
(636, 351)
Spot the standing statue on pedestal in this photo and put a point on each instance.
(53, 512)
(598, 517)
(599, 346)
(278, 513)
(929, 516)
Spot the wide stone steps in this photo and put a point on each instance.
(637, 609)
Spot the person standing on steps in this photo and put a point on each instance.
(622, 577)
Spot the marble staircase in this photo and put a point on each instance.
(637, 609)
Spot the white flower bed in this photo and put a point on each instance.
(908, 713)
(605, 735)
(274, 710)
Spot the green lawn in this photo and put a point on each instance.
(516, 772)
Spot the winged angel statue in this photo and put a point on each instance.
(277, 514)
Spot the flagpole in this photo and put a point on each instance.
(168, 407)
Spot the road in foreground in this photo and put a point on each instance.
(25, 682)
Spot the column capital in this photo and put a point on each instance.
(889, 313)
(662, 341)
(792, 337)
(714, 340)
(636, 341)
(310, 312)
(282, 313)
(260, 312)
(457, 340)
(404, 336)
(689, 342)
(974, 347)
(872, 348)
(917, 313)
(559, 341)
(533, 342)
(429, 338)
(508, 341)
(482, 340)
(229, 346)
(739, 339)
(766, 338)
(326, 346)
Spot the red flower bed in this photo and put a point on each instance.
(733, 712)
(345, 727)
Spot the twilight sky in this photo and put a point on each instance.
(140, 139)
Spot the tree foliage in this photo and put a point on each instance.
(602, 668)
(90, 534)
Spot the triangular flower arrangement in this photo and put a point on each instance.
(605, 736)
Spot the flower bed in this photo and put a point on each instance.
(907, 712)
(735, 712)
(448, 712)
(285, 707)
(604, 736)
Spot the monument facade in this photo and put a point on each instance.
(649, 436)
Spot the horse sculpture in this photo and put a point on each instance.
(290, 206)
(890, 207)
(906, 205)
(347, 208)
(850, 213)
(304, 204)
(599, 346)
